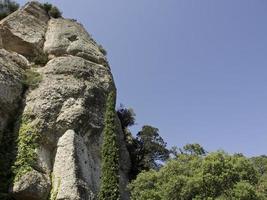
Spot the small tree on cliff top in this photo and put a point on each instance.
(109, 186)
(7, 7)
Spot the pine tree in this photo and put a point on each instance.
(109, 188)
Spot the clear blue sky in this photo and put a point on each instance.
(197, 70)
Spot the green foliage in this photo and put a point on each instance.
(51, 10)
(54, 190)
(27, 143)
(109, 186)
(196, 177)
(194, 149)
(147, 151)
(31, 78)
(102, 50)
(243, 190)
(151, 148)
(191, 149)
(260, 163)
(145, 186)
(126, 116)
(7, 7)
(6, 159)
(41, 59)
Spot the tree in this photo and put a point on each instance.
(148, 149)
(7, 7)
(51, 10)
(194, 149)
(260, 163)
(151, 148)
(189, 176)
(109, 186)
(126, 116)
(243, 190)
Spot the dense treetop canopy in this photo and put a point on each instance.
(193, 176)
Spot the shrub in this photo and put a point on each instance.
(41, 59)
(51, 10)
(102, 50)
(7, 7)
(31, 78)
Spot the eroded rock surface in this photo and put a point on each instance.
(24, 30)
(32, 186)
(73, 180)
(11, 86)
(63, 117)
(66, 36)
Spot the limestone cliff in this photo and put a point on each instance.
(51, 116)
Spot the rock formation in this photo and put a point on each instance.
(51, 116)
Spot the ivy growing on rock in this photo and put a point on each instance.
(7, 155)
(109, 186)
(27, 143)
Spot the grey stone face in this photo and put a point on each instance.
(24, 30)
(66, 36)
(11, 87)
(67, 106)
(72, 170)
(32, 186)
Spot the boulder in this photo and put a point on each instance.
(24, 30)
(60, 120)
(65, 36)
(32, 186)
(11, 86)
(73, 169)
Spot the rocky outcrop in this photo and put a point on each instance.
(33, 185)
(59, 133)
(66, 36)
(11, 87)
(24, 30)
(72, 181)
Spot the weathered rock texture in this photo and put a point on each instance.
(11, 87)
(24, 30)
(64, 114)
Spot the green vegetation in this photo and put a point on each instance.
(41, 59)
(126, 116)
(148, 149)
(52, 10)
(151, 149)
(109, 186)
(7, 7)
(27, 143)
(6, 159)
(31, 78)
(188, 173)
(54, 191)
(195, 176)
(102, 50)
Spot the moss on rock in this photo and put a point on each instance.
(31, 78)
(27, 144)
(55, 188)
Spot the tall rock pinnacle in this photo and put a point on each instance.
(52, 114)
